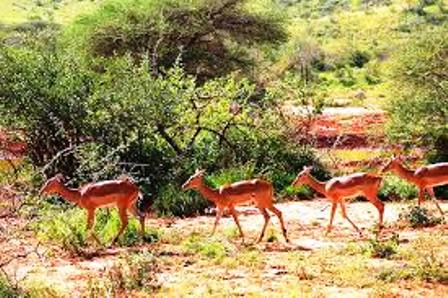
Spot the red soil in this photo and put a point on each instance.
(343, 131)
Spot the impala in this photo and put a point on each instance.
(228, 196)
(122, 193)
(340, 188)
(425, 178)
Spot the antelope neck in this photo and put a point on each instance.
(316, 184)
(405, 173)
(208, 192)
(71, 195)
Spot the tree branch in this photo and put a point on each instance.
(168, 139)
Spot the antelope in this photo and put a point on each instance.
(425, 178)
(340, 188)
(121, 193)
(228, 196)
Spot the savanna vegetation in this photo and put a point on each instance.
(153, 90)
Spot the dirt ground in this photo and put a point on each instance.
(272, 269)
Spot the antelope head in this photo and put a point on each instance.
(392, 165)
(194, 181)
(302, 176)
(53, 185)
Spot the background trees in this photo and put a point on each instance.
(419, 111)
(122, 98)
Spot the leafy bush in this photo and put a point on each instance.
(383, 249)
(6, 289)
(228, 176)
(359, 58)
(395, 188)
(418, 217)
(346, 76)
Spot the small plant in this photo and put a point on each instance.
(209, 248)
(418, 217)
(271, 236)
(132, 274)
(383, 249)
(6, 289)
(424, 259)
(251, 258)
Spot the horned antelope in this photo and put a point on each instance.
(122, 193)
(228, 196)
(340, 188)
(425, 178)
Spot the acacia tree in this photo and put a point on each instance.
(211, 36)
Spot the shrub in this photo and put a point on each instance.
(231, 175)
(383, 249)
(418, 217)
(346, 76)
(395, 188)
(359, 58)
(302, 192)
(6, 289)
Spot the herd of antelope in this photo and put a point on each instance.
(123, 194)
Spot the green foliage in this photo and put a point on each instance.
(6, 289)
(172, 201)
(68, 229)
(394, 188)
(418, 108)
(383, 249)
(209, 248)
(359, 58)
(209, 35)
(105, 123)
(231, 175)
(418, 217)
